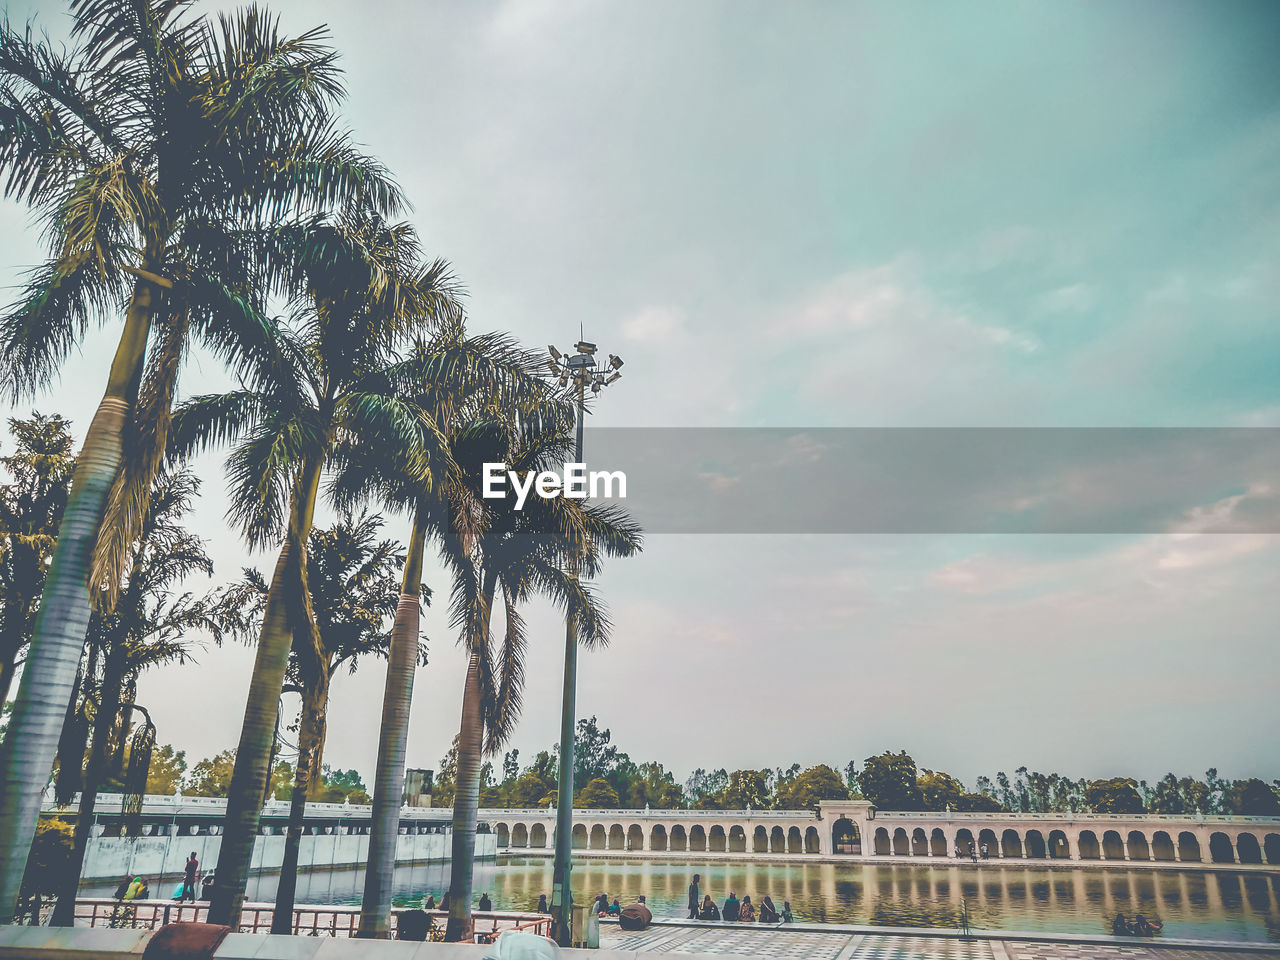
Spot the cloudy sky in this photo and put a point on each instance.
(819, 215)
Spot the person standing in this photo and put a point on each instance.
(189, 878)
(694, 900)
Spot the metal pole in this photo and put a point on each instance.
(561, 879)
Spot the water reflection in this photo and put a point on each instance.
(1192, 903)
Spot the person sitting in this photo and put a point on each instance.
(123, 888)
(135, 891)
(1144, 927)
(485, 905)
(635, 916)
(444, 900)
(601, 907)
(786, 912)
(1120, 926)
(746, 912)
(615, 908)
(208, 885)
(731, 907)
(413, 925)
(430, 902)
(542, 904)
(768, 912)
(709, 910)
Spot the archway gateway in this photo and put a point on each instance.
(844, 837)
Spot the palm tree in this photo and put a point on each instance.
(152, 150)
(362, 292)
(147, 627)
(351, 574)
(447, 379)
(521, 552)
(31, 506)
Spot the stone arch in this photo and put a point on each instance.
(1059, 845)
(1112, 846)
(504, 835)
(760, 840)
(986, 838)
(883, 846)
(1188, 846)
(1248, 848)
(964, 840)
(520, 835)
(777, 840)
(716, 840)
(844, 837)
(1036, 847)
(1088, 846)
(579, 836)
(737, 839)
(1138, 849)
(919, 842)
(901, 843)
(1271, 847)
(679, 838)
(538, 835)
(1012, 843)
(795, 841)
(658, 837)
(635, 837)
(812, 842)
(599, 839)
(697, 838)
(1162, 846)
(617, 837)
(1220, 849)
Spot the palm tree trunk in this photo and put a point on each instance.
(94, 773)
(466, 797)
(257, 732)
(315, 698)
(57, 640)
(388, 784)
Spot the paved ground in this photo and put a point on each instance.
(803, 945)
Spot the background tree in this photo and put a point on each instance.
(806, 789)
(597, 794)
(1116, 795)
(31, 503)
(889, 781)
(939, 791)
(211, 777)
(1254, 798)
(168, 769)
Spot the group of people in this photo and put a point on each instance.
(735, 910)
(138, 888)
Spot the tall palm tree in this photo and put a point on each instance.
(522, 552)
(351, 575)
(147, 627)
(362, 292)
(448, 379)
(151, 149)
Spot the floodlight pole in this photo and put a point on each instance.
(581, 368)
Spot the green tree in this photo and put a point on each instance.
(806, 789)
(1117, 795)
(938, 791)
(168, 767)
(353, 592)
(597, 794)
(31, 506)
(529, 788)
(361, 294)
(889, 781)
(211, 777)
(1254, 798)
(149, 149)
(747, 788)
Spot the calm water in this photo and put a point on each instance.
(1192, 903)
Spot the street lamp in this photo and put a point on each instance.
(581, 368)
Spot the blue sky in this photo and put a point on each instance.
(865, 214)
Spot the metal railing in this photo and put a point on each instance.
(1070, 817)
(311, 921)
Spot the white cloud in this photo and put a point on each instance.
(652, 324)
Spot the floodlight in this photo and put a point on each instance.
(555, 354)
(615, 361)
(612, 377)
